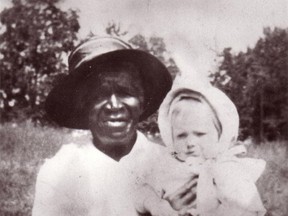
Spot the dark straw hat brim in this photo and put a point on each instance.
(62, 102)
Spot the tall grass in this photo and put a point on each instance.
(273, 184)
(23, 149)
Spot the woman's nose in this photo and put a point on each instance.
(114, 102)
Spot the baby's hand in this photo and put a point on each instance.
(185, 196)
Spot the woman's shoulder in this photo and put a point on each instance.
(67, 157)
(65, 153)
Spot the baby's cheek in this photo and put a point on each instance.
(210, 150)
(179, 146)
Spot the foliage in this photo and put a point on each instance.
(257, 81)
(37, 35)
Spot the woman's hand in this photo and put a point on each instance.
(185, 197)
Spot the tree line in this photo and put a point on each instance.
(36, 37)
(257, 81)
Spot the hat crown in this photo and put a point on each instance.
(94, 47)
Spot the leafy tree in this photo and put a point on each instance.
(257, 81)
(36, 37)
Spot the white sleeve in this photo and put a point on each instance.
(49, 197)
(54, 187)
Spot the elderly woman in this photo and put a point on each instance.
(109, 89)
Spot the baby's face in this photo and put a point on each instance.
(193, 130)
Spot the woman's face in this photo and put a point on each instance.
(193, 130)
(116, 108)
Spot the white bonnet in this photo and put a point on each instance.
(224, 108)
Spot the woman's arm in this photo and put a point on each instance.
(57, 185)
(49, 197)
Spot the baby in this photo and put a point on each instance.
(199, 126)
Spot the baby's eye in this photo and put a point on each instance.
(181, 136)
(200, 134)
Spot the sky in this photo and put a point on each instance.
(197, 30)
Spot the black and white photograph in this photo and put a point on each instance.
(143, 108)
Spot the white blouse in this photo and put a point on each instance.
(81, 180)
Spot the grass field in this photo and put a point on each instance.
(24, 148)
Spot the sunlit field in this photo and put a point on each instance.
(24, 148)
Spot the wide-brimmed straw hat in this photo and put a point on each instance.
(62, 104)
